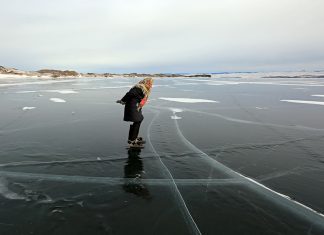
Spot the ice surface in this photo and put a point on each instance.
(188, 100)
(87, 150)
(283, 200)
(57, 100)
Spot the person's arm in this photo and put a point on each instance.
(126, 97)
(139, 95)
(120, 102)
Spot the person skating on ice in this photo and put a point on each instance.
(134, 100)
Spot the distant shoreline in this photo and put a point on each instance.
(70, 74)
(52, 73)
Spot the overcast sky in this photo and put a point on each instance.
(162, 35)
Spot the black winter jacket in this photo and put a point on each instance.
(132, 100)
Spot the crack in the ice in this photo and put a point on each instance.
(237, 120)
(296, 207)
(116, 180)
(183, 207)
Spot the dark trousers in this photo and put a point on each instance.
(134, 130)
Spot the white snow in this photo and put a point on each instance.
(187, 100)
(52, 91)
(23, 92)
(106, 87)
(304, 102)
(185, 83)
(176, 110)
(261, 108)
(57, 100)
(62, 91)
(28, 108)
(34, 83)
(318, 95)
(221, 83)
(175, 117)
(160, 85)
(121, 82)
(6, 192)
(198, 80)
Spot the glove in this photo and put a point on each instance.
(120, 102)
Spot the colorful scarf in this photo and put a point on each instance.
(145, 85)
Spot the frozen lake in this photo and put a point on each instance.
(231, 154)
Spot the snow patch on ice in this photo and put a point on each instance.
(176, 110)
(318, 95)
(161, 85)
(6, 193)
(304, 102)
(57, 100)
(34, 83)
(53, 91)
(106, 87)
(121, 82)
(198, 80)
(28, 108)
(185, 83)
(23, 92)
(261, 108)
(221, 83)
(175, 117)
(62, 91)
(188, 100)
